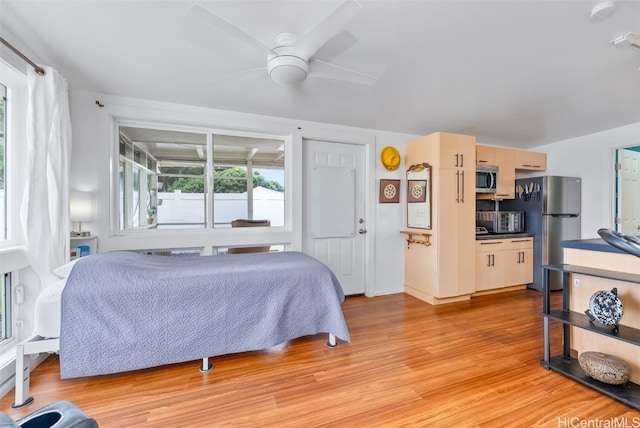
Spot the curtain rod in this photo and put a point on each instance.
(38, 69)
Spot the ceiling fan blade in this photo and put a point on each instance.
(336, 46)
(198, 14)
(323, 69)
(240, 73)
(310, 42)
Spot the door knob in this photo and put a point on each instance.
(362, 231)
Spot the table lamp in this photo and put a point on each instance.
(80, 210)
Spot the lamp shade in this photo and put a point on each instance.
(80, 206)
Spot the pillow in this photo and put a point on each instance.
(64, 270)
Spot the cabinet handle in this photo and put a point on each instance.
(457, 186)
(462, 175)
(493, 260)
(520, 240)
(489, 260)
(481, 161)
(462, 160)
(491, 243)
(457, 160)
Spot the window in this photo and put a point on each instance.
(165, 176)
(5, 308)
(13, 108)
(3, 161)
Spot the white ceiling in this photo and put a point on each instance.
(515, 73)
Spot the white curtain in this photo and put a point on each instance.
(45, 208)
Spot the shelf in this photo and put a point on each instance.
(410, 239)
(599, 273)
(626, 334)
(83, 238)
(629, 393)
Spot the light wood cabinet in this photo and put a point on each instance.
(441, 272)
(505, 160)
(533, 161)
(503, 263)
(508, 161)
(485, 155)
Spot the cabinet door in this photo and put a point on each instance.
(505, 159)
(483, 270)
(467, 235)
(457, 151)
(533, 161)
(485, 155)
(491, 270)
(522, 264)
(448, 232)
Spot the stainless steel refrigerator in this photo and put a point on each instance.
(552, 213)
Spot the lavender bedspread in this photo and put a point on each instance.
(125, 311)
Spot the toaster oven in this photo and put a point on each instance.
(501, 221)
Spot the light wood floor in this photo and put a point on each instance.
(409, 364)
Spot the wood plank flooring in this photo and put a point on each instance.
(469, 364)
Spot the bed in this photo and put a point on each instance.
(122, 311)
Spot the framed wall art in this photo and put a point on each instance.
(389, 191)
(419, 196)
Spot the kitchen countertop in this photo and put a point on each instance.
(503, 236)
(597, 244)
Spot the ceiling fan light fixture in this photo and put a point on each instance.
(288, 69)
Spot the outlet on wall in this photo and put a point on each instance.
(576, 282)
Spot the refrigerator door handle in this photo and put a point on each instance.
(563, 215)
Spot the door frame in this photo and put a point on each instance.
(617, 185)
(368, 141)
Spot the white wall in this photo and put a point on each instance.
(592, 158)
(93, 149)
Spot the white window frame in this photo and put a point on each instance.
(15, 154)
(209, 179)
(12, 258)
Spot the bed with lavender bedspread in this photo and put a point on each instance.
(126, 311)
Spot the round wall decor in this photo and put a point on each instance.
(605, 307)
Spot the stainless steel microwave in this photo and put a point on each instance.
(486, 179)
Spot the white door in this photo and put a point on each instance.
(334, 223)
(629, 182)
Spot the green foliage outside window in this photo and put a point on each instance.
(226, 181)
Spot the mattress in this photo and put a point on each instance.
(47, 310)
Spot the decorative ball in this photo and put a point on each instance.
(605, 368)
(605, 307)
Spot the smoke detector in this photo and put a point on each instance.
(602, 11)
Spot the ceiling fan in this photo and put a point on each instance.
(290, 57)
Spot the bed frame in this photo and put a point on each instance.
(24, 350)
(37, 345)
